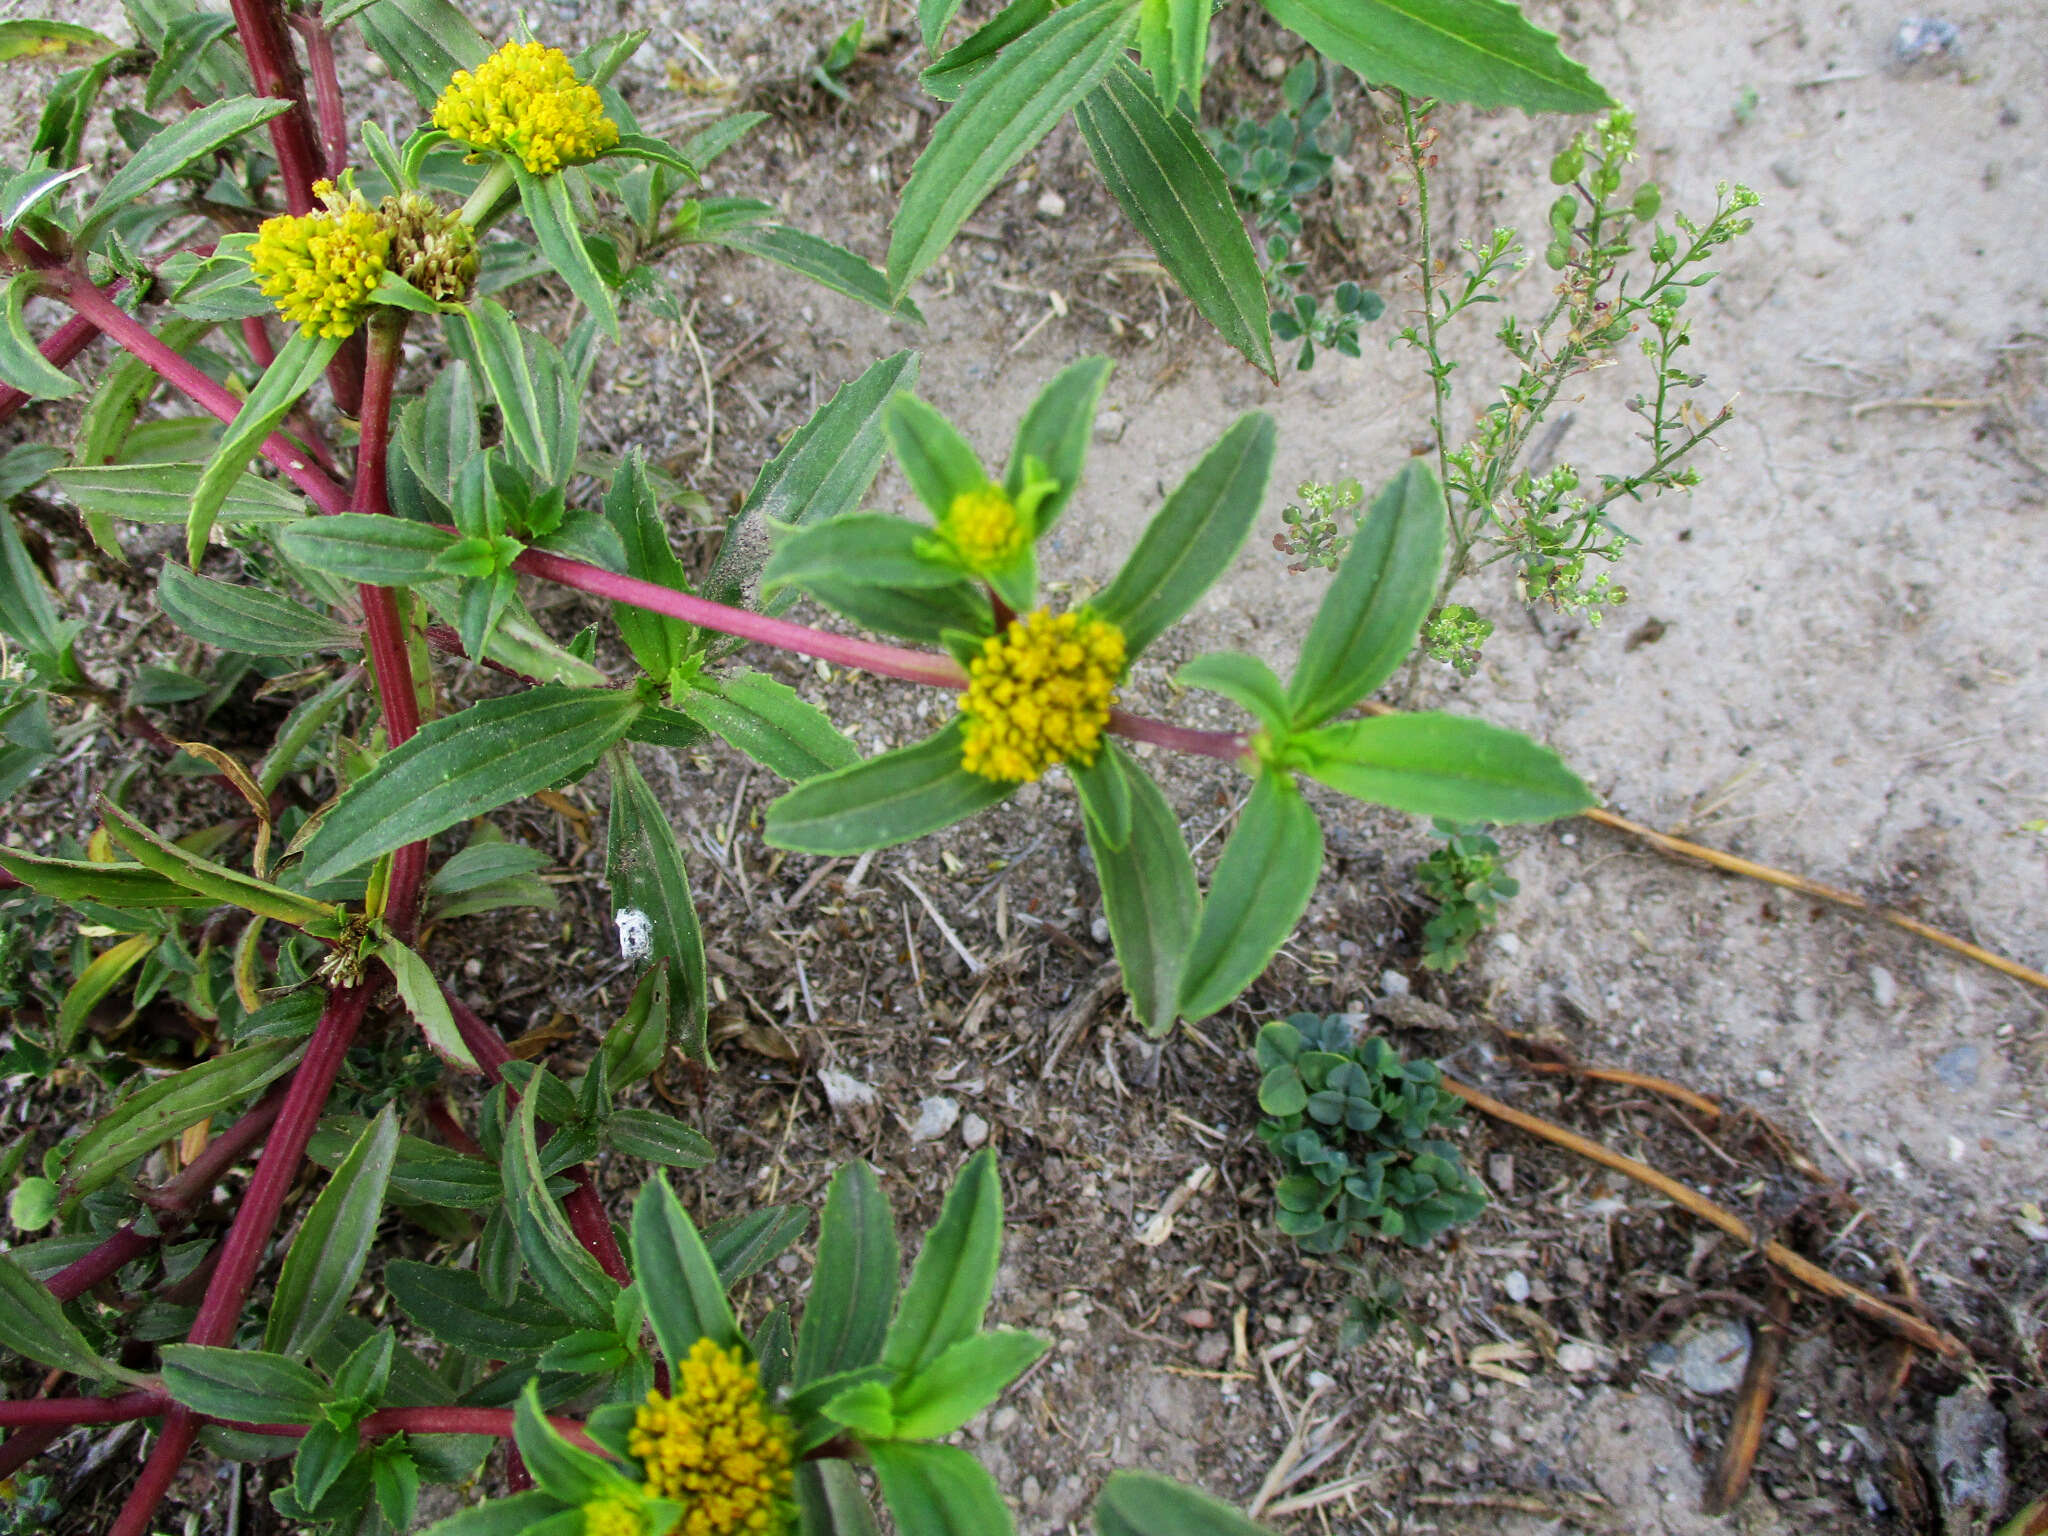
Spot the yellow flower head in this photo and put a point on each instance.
(526, 99)
(984, 526)
(613, 1517)
(319, 268)
(1039, 694)
(715, 1447)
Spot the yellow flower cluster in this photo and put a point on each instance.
(319, 268)
(613, 1517)
(526, 99)
(1039, 694)
(984, 527)
(715, 1447)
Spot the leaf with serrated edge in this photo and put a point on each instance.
(938, 1490)
(567, 1274)
(250, 1386)
(766, 720)
(423, 999)
(1142, 1504)
(33, 1325)
(214, 880)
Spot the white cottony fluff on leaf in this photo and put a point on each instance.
(636, 933)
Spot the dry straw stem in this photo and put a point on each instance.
(1746, 1433)
(1679, 848)
(1801, 1270)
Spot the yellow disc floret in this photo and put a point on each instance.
(715, 1447)
(984, 527)
(526, 99)
(613, 1517)
(320, 268)
(1039, 694)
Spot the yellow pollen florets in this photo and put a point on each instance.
(527, 99)
(320, 268)
(715, 1447)
(613, 1517)
(984, 527)
(1039, 694)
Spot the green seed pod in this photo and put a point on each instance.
(1557, 256)
(1647, 201)
(1563, 212)
(1566, 167)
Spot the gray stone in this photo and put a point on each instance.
(1969, 1459)
(1713, 1352)
(935, 1117)
(1957, 1067)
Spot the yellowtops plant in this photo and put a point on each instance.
(984, 527)
(320, 268)
(613, 1517)
(714, 1446)
(525, 99)
(1040, 693)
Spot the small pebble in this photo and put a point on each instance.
(1884, 991)
(1577, 1358)
(1516, 1285)
(1766, 1078)
(1787, 173)
(1393, 984)
(1957, 1067)
(1030, 1490)
(1507, 944)
(1501, 1441)
(1199, 1317)
(1051, 205)
(935, 1117)
(973, 1130)
(1212, 1351)
(1713, 1352)
(1099, 929)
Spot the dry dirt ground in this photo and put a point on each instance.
(1831, 662)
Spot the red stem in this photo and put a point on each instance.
(443, 1120)
(25, 1445)
(67, 1411)
(256, 337)
(326, 90)
(243, 1251)
(1229, 746)
(275, 70)
(60, 349)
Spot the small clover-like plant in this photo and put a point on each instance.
(1355, 1130)
(1465, 879)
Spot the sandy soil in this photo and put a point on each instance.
(1831, 662)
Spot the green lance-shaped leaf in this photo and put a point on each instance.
(1003, 112)
(659, 643)
(1105, 791)
(1261, 886)
(545, 202)
(886, 800)
(207, 878)
(656, 1138)
(1382, 592)
(22, 365)
(1149, 897)
(247, 1385)
(453, 1307)
(1245, 681)
(33, 1325)
(96, 981)
(1055, 432)
(423, 999)
(746, 1244)
(297, 367)
(767, 721)
(533, 386)
(567, 1274)
(22, 38)
(947, 75)
(423, 41)
(1192, 539)
(821, 472)
(173, 149)
(248, 620)
(1142, 1504)
(828, 265)
(567, 1471)
(162, 493)
(853, 1288)
(677, 1278)
(154, 1114)
(955, 1270)
(27, 615)
(938, 1490)
(831, 1502)
(1482, 51)
(423, 1173)
(1170, 186)
(532, 1513)
(938, 462)
(645, 870)
(864, 548)
(1443, 765)
(438, 432)
(113, 885)
(957, 1385)
(932, 19)
(326, 1258)
(464, 765)
(922, 614)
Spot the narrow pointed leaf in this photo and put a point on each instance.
(678, 1280)
(33, 1325)
(938, 1490)
(453, 1307)
(1444, 765)
(1377, 601)
(936, 460)
(947, 75)
(1261, 886)
(932, 17)
(326, 1257)
(1482, 51)
(767, 721)
(298, 366)
(1142, 1504)
(746, 1244)
(249, 620)
(1193, 538)
(831, 1502)
(545, 202)
(1105, 792)
(98, 979)
(423, 999)
(1245, 681)
(1056, 431)
(249, 1386)
(961, 1382)
(645, 870)
(853, 1288)
(112, 885)
(1150, 898)
(1003, 112)
(162, 493)
(22, 364)
(886, 800)
(464, 765)
(830, 266)
(172, 149)
(208, 878)
(949, 1287)
(567, 1274)
(1170, 186)
(864, 547)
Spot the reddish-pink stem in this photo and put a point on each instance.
(1226, 745)
(887, 660)
(60, 349)
(25, 1445)
(243, 1251)
(275, 70)
(256, 337)
(67, 1411)
(326, 89)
